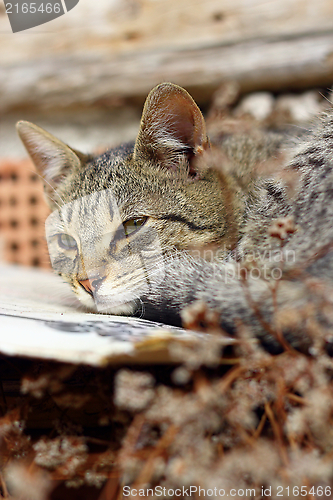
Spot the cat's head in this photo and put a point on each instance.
(117, 215)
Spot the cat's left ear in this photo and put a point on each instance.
(172, 127)
(53, 159)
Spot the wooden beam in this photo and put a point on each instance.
(257, 64)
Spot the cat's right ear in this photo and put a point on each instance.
(53, 159)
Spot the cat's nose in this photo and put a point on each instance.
(86, 285)
(91, 286)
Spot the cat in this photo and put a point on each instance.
(126, 225)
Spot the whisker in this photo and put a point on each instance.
(142, 308)
(325, 97)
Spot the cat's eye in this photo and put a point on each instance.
(132, 225)
(66, 241)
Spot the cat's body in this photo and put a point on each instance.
(123, 222)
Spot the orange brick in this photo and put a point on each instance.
(23, 211)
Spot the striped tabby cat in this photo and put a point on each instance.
(123, 222)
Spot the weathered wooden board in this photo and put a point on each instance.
(110, 49)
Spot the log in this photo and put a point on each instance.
(119, 50)
(260, 64)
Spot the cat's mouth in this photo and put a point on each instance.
(114, 303)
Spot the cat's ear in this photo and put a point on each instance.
(53, 159)
(172, 127)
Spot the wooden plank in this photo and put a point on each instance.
(126, 26)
